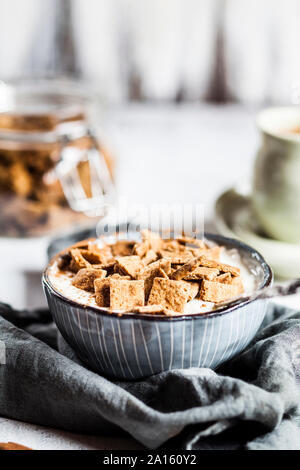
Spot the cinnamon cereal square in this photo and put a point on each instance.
(163, 264)
(217, 291)
(176, 257)
(192, 242)
(64, 260)
(222, 267)
(124, 295)
(78, 261)
(120, 276)
(95, 255)
(224, 278)
(172, 295)
(102, 291)
(141, 248)
(149, 257)
(130, 265)
(148, 277)
(192, 289)
(122, 248)
(183, 271)
(202, 273)
(85, 278)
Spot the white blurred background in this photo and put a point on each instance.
(176, 50)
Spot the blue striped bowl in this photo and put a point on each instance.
(133, 346)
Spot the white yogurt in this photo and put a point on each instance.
(62, 282)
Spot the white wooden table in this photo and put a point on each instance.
(169, 154)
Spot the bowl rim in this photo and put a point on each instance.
(236, 304)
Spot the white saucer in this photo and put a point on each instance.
(234, 218)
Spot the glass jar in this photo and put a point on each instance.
(38, 121)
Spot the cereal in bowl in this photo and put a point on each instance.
(153, 276)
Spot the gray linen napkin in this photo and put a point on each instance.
(250, 402)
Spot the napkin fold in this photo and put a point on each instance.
(251, 402)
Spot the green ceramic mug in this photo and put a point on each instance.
(276, 183)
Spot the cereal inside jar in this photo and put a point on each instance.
(36, 124)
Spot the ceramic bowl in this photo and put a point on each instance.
(133, 346)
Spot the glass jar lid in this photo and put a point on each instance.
(43, 110)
